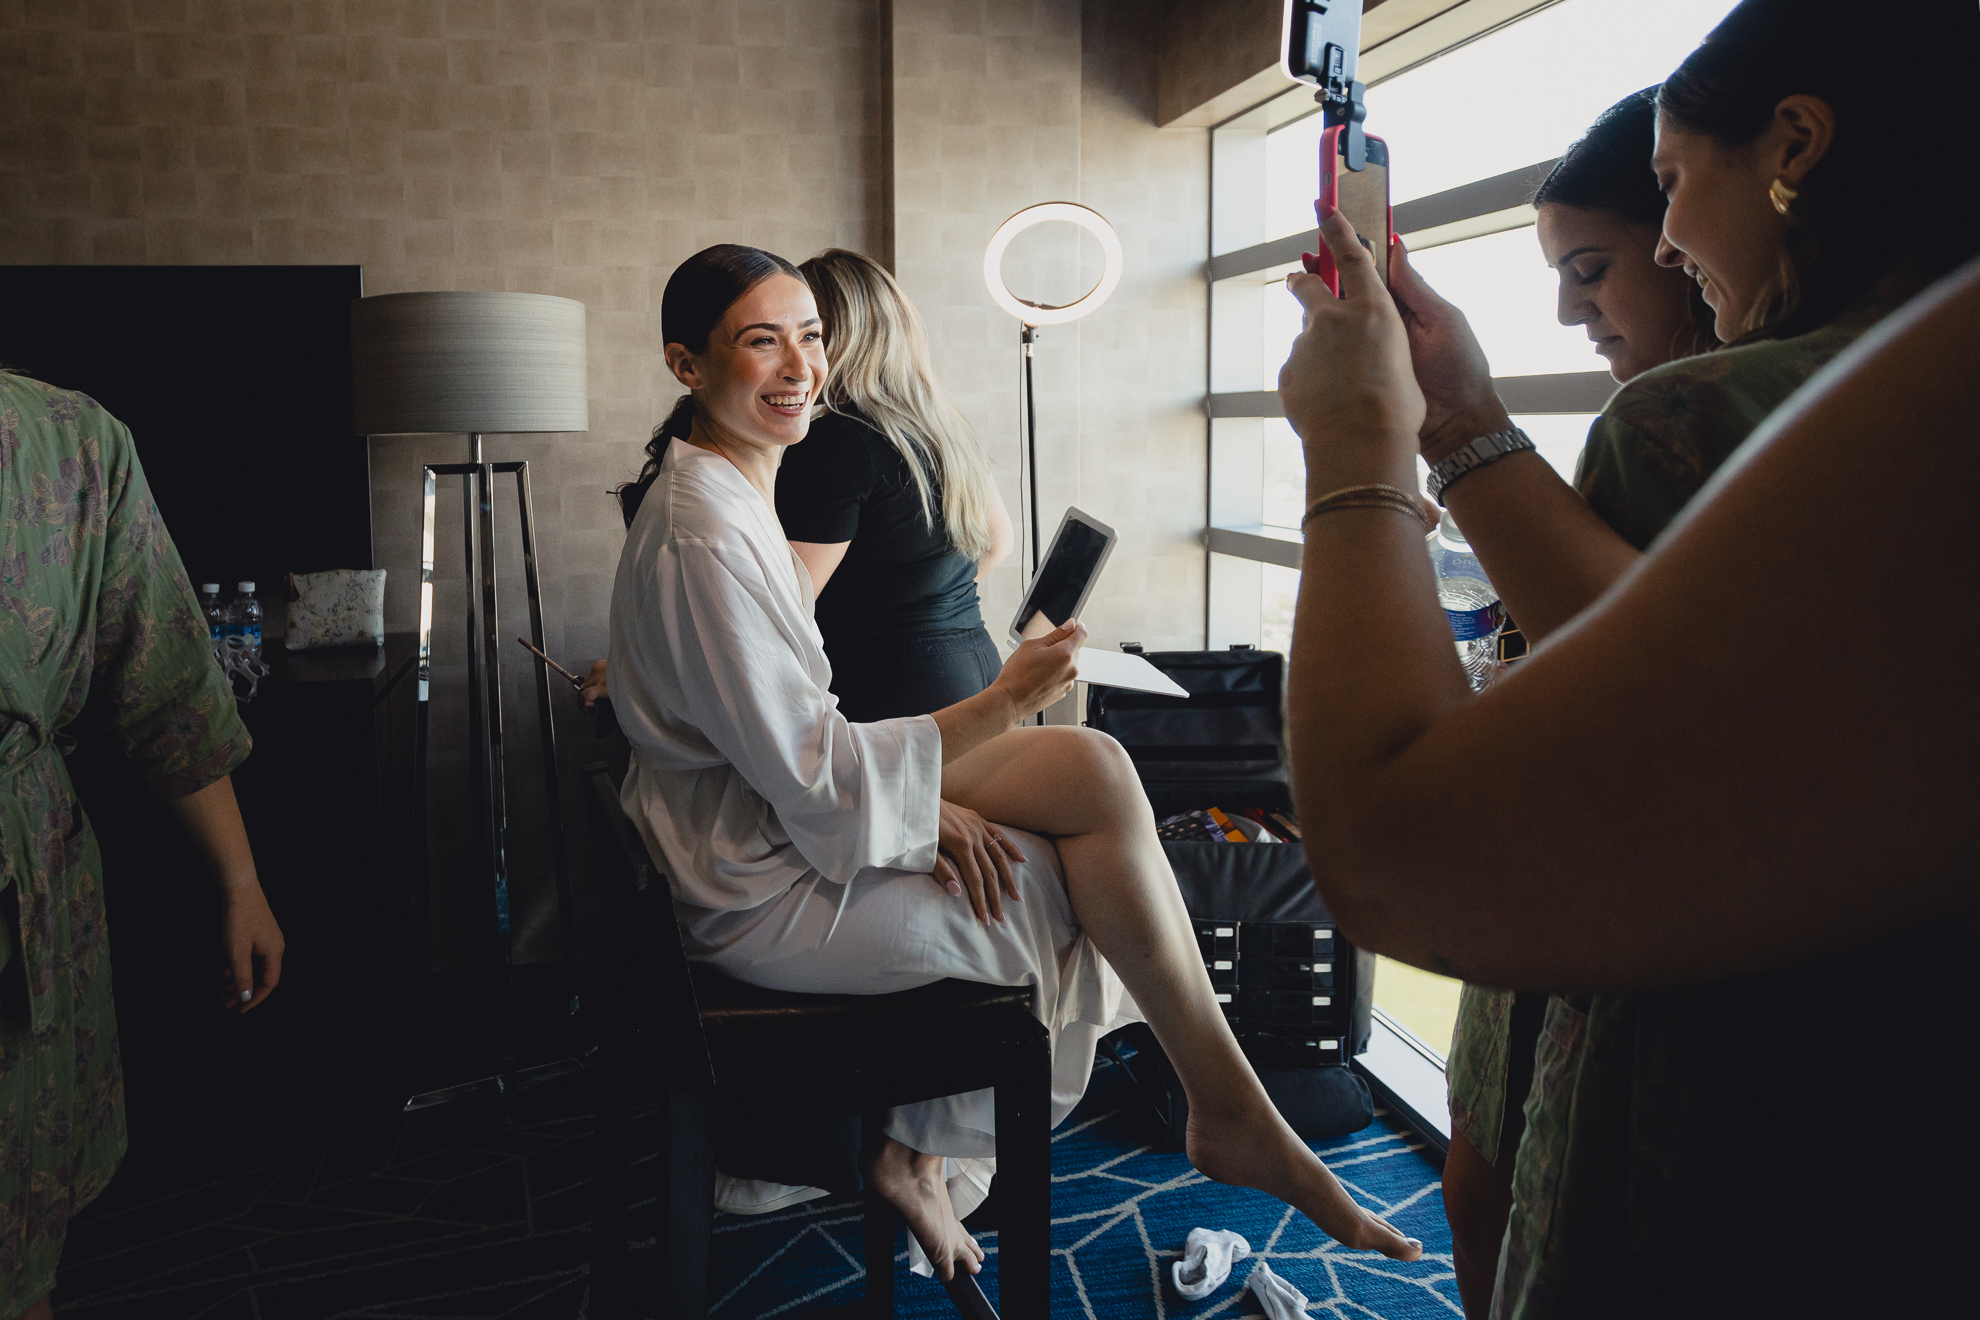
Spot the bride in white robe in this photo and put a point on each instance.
(800, 845)
(808, 853)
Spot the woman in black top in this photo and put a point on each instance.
(891, 505)
(891, 502)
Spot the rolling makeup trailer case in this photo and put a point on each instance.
(1297, 996)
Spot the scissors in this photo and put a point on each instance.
(576, 682)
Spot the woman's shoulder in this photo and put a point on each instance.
(837, 436)
(1727, 391)
(25, 401)
(1744, 378)
(697, 498)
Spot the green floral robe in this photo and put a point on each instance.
(1608, 1088)
(96, 608)
(1652, 449)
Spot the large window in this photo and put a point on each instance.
(1472, 130)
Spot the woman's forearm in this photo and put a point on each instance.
(1545, 550)
(212, 819)
(1619, 815)
(973, 721)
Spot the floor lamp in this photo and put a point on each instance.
(474, 364)
(1031, 315)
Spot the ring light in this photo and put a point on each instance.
(1032, 313)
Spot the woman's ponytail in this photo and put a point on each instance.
(678, 425)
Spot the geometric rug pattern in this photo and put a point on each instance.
(1120, 1214)
(465, 1213)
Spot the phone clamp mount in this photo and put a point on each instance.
(1323, 47)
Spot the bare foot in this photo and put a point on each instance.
(912, 1183)
(1262, 1152)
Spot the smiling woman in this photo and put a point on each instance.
(756, 368)
(814, 854)
(1759, 147)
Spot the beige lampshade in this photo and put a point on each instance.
(462, 362)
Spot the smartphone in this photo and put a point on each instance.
(1072, 565)
(1361, 195)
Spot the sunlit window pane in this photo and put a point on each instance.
(1425, 1003)
(1275, 613)
(1525, 92)
(1292, 176)
(1558, 436)
(1504, 101)
(1282, 317)
(1505, 288)
(1285, 474)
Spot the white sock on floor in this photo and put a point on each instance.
(1206, 1262)
(1280, 1299)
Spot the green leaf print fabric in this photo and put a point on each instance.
(94, 608)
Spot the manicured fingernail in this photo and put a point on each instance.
(246, 995)
(1414, 1243)
(955, 889)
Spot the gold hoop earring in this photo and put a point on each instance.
(1781, 196)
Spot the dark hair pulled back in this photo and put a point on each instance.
(698, 295)
(1894, 80)
(1608, 170)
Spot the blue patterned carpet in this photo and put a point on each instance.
(1120, 1214)
(472, 1213)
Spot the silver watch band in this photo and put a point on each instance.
(1485, 449)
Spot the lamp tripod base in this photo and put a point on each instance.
(489, 835)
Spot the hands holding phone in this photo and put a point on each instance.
(1449, 377)
(1042, 669)
(1349, 383)
(1459, 402)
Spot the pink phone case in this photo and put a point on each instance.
(1321, 263)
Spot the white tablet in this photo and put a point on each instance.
(1072, 565)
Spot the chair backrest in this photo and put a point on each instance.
(644, 959)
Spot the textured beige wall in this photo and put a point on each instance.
(583, 149)
(1001, 105)
(580, 149)
(1143, 456)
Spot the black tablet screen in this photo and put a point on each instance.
(1076, 553)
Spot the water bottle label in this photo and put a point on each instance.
(1472, 625)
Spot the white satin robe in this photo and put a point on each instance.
(798, 844)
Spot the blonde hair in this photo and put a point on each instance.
(880, 368)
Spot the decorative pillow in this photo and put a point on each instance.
(343, 607)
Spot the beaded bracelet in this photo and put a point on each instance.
(1374, 496)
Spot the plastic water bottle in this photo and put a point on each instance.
(216, 617)
(1470, 599)
(244, 621)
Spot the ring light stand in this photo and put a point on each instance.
(1031, 315)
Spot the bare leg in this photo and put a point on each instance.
(1477, 1201)
(912, 1183)
(1080, 788)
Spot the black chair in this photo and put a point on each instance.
(711, 1045)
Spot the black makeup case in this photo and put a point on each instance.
(1297, 995)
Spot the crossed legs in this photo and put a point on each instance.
(1080, 788)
